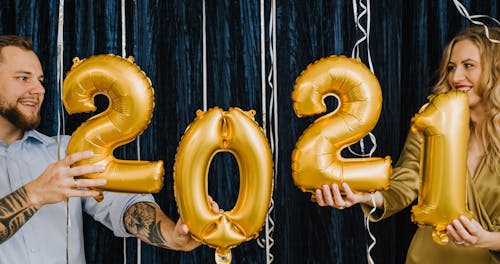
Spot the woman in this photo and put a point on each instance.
(470, 63)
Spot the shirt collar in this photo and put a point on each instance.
(37, 136)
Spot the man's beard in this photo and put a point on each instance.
(18, 119)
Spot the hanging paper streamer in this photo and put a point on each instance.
(444, 126)
(472, 18)
(355, 54)
(131, 103)
(267, 241)
(236, 132)
(316, 159)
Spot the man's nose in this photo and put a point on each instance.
(37, 88)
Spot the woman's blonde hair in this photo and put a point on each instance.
(488, 89)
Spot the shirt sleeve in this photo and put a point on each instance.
(111, 209)
(404, 182)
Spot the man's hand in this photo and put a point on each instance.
(57, 182)
(181, 238)
(147, 221)
(181, 235)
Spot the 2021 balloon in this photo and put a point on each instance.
(236, 132)
(316, 159)
(131, 103)
(444, 126)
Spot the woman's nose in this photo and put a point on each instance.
(458, 75)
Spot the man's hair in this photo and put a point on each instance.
(16, 41)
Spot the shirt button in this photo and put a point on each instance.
(33, 250)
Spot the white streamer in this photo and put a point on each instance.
(124, 54)
(263, 65)
(60, 74)
(367, 226)
(355, 54)
(138, 142)
(60, 113)
(124, 32)
(204, 37)
(366, 32)
(268, 241)
(373, 139)
(463, 11)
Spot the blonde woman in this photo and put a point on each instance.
(470, 63)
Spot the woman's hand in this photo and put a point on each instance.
(469, 233)
(331, 196)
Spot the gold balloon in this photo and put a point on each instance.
(236, 132)
(316, 159)
(444, 126)
(131, 103)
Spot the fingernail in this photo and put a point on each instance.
(102, 181)
(101, 167)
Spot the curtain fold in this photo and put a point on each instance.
(165, 38)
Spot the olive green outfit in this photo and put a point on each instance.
(483, 192)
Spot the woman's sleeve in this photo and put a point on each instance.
(404, 182)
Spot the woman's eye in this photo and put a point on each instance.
(451, 67)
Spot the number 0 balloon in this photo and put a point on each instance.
(236, 132)
(131, 103)
(316, 159)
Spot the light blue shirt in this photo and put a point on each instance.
(42, 239)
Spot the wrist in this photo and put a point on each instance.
(373, 199)
(491, 241)
(367, 199)
(31, 196)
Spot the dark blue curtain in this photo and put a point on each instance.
(165, 38)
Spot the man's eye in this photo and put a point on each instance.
(22, 78)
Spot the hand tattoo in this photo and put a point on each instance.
(15, 211)
(140, 220)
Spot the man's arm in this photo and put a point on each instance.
(56, 184)
(147, 221)
(15, 210)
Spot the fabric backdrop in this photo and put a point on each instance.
(165, 37)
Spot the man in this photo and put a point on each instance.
(34, 184)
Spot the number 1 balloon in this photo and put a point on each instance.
(131, 103)
(444, 125)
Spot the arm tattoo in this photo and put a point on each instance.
(15, 211)
(140, 220)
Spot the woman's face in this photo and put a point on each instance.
(464, 70)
